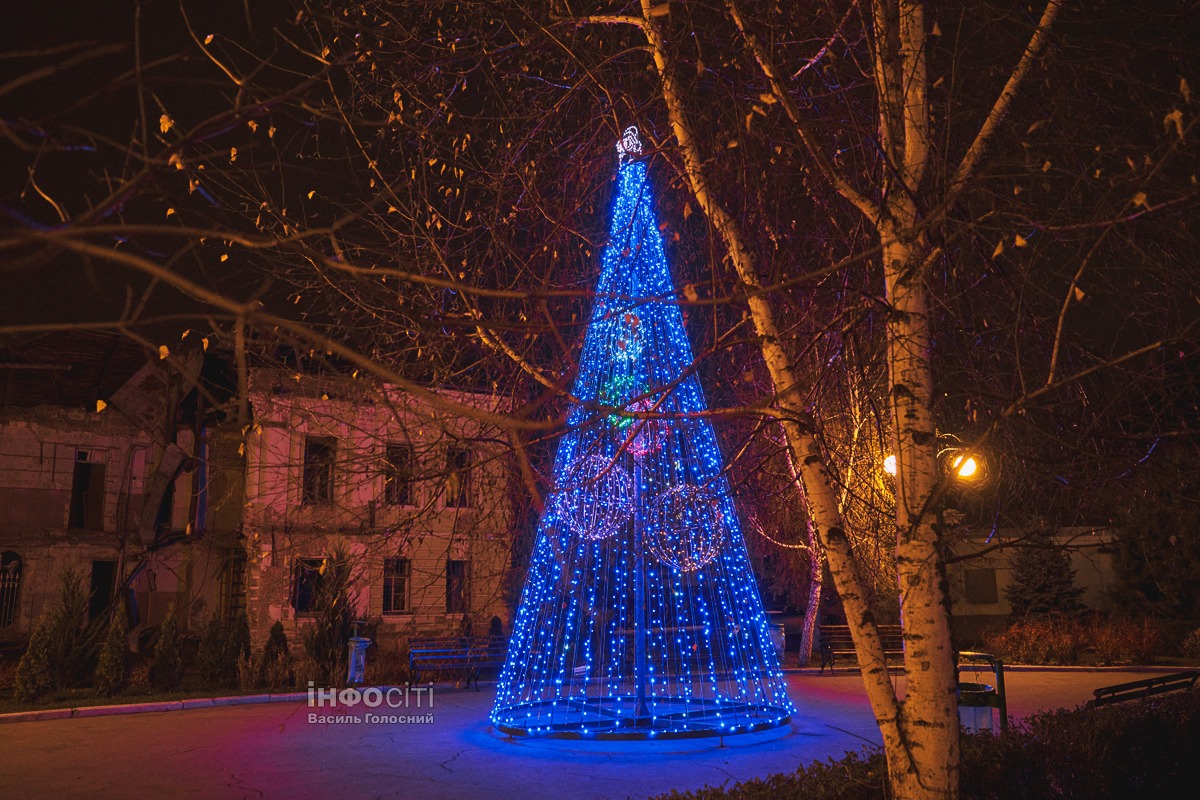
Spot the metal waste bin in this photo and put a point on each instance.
(357, 665)
(778, 638)
(975, 704)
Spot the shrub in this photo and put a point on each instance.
(166, 668)
(112, 671)
(1039, 640)
(59, 652)
(71, 652)
(224, 651)
(34, 677)
(275, 665)
(1190, 647)
(1066, 640)
(1117, 640)
(248, 672)
(1136, 749)
(210, 657)
(388, 667)
(855, 776)
(327, 638)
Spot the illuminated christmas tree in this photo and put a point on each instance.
(640, 616)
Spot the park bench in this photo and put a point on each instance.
(837, 641)
(1134, 690)
(455, 654)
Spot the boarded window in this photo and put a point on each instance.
(981, 586)
(320, 452)
(398, 475)
(87, 491)
(396, 573)
(457, 575)
(458, 476)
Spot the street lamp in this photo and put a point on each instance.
(964, 468)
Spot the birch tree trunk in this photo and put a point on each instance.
(813, 609)
(920, 733)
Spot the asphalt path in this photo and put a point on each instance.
(275, 751)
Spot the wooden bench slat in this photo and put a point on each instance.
(836, 640)
(1134, 690)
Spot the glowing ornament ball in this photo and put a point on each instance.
(648, 435)
(597, 499)
(686, 527)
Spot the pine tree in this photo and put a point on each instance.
(71, 650)
(1043, 581)
(166, 668)
(210, 655)
(59, 651)
(275, 667)
(112, 671)
(34, 679)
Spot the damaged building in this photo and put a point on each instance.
(151, 476)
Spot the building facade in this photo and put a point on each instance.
(107, 491)
(110, 467)
(983, 572)
(416, 500)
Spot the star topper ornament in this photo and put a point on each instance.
(630, 146)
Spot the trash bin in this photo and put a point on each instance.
(778, 634)
(357, 667)
(975, 704)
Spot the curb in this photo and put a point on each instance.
(145, 708)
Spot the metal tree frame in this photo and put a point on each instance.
(639, 621)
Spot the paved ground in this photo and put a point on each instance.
(273, 751)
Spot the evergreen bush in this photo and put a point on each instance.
(275, 667)
(166, 668)
(210, 656)
(112, 671)
(1043, 581)
(59, 652)
(34, 677)
(224, 651)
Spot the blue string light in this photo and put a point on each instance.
(640, 617)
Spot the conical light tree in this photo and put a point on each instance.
(640, 616)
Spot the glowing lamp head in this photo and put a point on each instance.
(889, 465)
(966, 468)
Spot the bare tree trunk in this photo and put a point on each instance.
(920, 734)
(813, 609)
(803, 446)
(929, 725)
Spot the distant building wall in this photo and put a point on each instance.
(49, 525)
(978, 581)
(418, 498)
